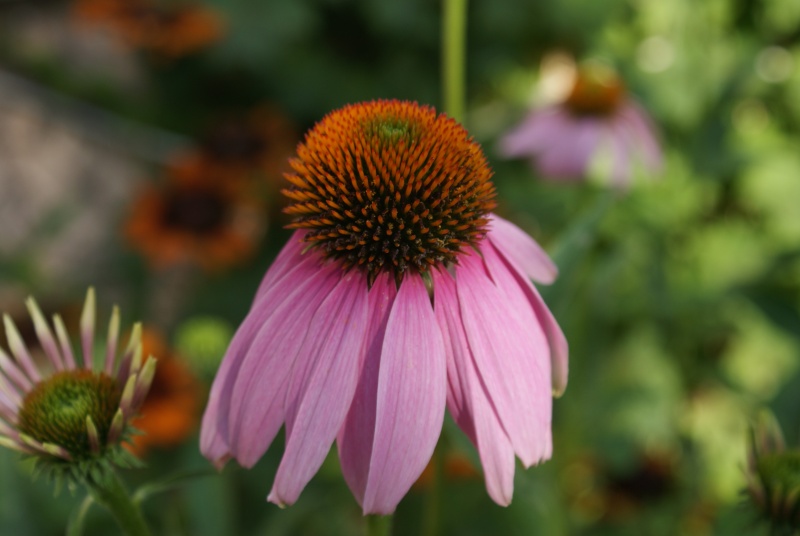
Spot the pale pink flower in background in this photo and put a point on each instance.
(597, 123)
(399, 293)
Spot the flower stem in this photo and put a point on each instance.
(430, 520)
(454, 29)
(379, 525)
(109, 491)
(75, 525)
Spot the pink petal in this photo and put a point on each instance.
(14, 373)
(256, 408)
(214, 430)
(644, 132)
(510, 352)
(515, 245)
(322, 387)
(358, 431)
(571, 152)
(286, 261)
(535, 132)
(559, 348)
(410, 398)
(621, 148)
(468, 402)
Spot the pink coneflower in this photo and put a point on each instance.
(399, 293)
(597, 126)
(71, 412)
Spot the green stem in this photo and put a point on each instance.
(454, 30)
(430, 525)
(109, 491)
(379, 525)
(75, 525)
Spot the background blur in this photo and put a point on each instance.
(142, 153)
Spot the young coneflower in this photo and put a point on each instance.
(168, 29)
(597, 122)
(197, 215)
(399, 293)
(773, 477)
(71, 413)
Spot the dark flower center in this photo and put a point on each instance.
(197, 211)
(597, 91)
(390, 186)
(55, 410)
(234, 143)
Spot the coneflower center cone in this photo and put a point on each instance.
(55, 410)
(390, 186)
(597, 91)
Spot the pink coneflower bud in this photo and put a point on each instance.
(71, 413)
(399, 293)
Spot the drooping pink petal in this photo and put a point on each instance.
(570, 154)
(356, 437)
(644, 133)
(286, 260)
(256, 408)
(518, 247)
(559, 348)
(621, 148)
(467, 400)
(534, 133)
(411, 394)
(511, 355)
(322, 387)
(214, 429)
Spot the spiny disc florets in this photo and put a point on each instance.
(390, 186)
(55, 410)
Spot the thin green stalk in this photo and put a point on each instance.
(109, 492)
(454, 31)
(75, 525)
(430, 526)
(379, 525)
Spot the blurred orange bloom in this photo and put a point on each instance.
(456, 467)
(199, 214)
(171, 411)
(260, 142)
(169, 29)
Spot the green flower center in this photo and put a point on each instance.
(55, 410)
